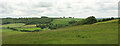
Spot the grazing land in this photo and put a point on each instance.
(105, 32)
(64, 21)
(12, 25)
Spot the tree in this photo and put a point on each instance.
(70, 17)
(90, 20)
(44, 17)
(63, 16)
(112, 17)
(99, 20)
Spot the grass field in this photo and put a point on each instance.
(7, 30)
(12, 25)
(28, 28)
(64, 21)
(98, 33)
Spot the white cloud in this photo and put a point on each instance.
(75, 8)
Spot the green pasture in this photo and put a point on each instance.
(12, 25)
(98, 33)
(29, 28)
(65, 20)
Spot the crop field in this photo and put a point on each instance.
(97, 33)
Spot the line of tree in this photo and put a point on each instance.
(50, 26)
(90, 20)
(106, 19)
(30, 31)
(14, 29)
(27, 21)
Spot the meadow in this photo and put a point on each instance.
(97, 33)
(12, 25)
(64, 21)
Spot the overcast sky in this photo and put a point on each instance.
(59, 8)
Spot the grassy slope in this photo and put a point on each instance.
(99, 33)
(64, 21)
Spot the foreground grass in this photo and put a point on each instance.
(99, 33)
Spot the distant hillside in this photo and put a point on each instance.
(64, 21)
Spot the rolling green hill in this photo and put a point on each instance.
(64, 21)
(98, 33)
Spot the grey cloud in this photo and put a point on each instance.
(56, 9)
